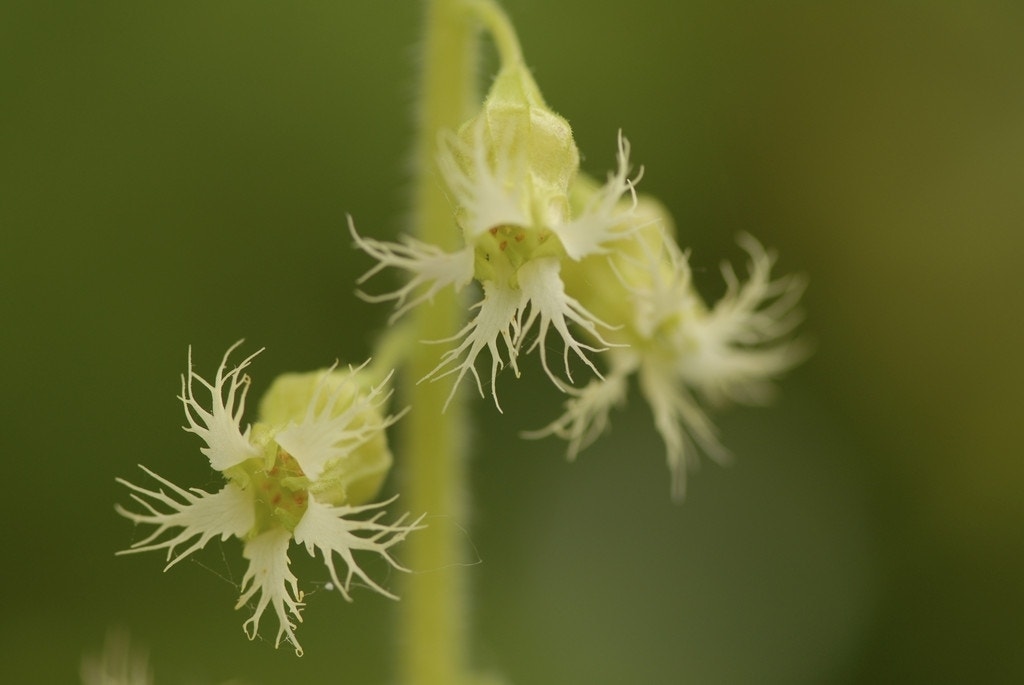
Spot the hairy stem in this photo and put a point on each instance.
(493, 17)
(433, 612)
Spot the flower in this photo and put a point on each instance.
(304, 473)
(510, 171)
(684, 353)
(554, 250)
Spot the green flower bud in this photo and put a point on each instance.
(518, 125)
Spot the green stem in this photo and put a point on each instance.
(432, 613)
(492, 16)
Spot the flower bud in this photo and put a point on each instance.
(515, 126)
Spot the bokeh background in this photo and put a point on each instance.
(178, 173)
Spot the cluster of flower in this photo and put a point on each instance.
(550, 249)
(554, 249)
(304, 472)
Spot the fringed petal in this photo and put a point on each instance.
(269, 577)
(604, 219)
(740, 345)
(487, 194)
(336, 531)
(432, 269)
(325, 434)
(586, 413)
(199, 514)
(550, 306)
(219, 427)
(498, 316)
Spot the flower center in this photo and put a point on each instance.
(281, 493)
(503, 249)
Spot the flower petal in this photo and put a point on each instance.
(498, 316)
(325, 434)
(229, 512)
(332, 530)
(487, 196)
(269, 576)
(586, 412)
(603, 220)
(739, 346)
(679, 420)
(550, 305)
(226, 444)
(429, 265)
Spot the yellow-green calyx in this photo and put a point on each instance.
(349, 430)
(516, 159)
(500, 252)
(280, 492)
(522, 127)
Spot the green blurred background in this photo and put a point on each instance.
(178, 173)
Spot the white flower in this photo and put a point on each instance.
(740, 344)
(518, 232)
(303, 475)
(679, 348)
